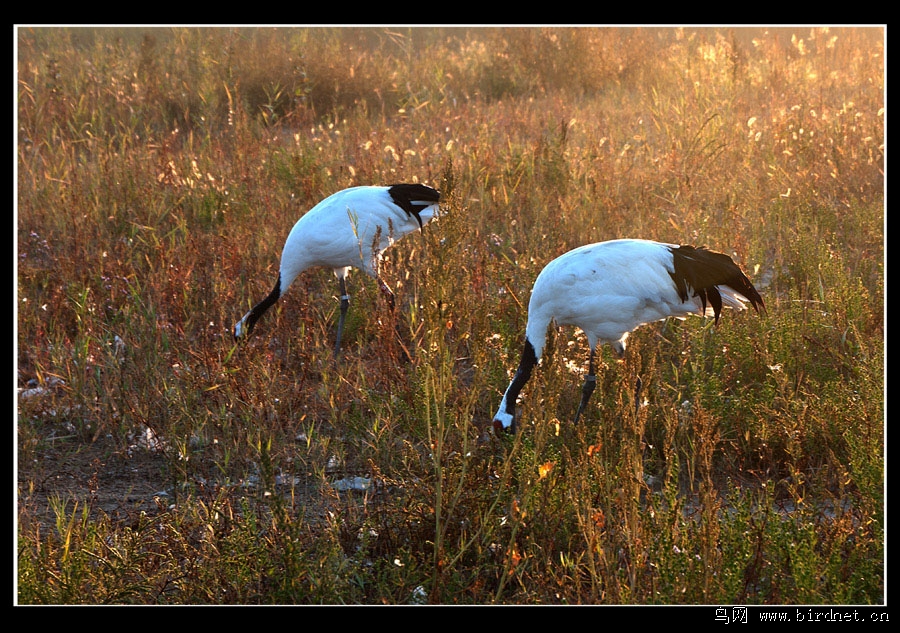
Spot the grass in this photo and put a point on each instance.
(158, 173)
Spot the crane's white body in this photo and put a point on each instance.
(348, 229)
(610, 289)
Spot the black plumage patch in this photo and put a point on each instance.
(700, 270)
(413, 198)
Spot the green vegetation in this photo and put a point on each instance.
(159, 172)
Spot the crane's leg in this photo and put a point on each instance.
(345, 303)
(590, 382)
(389, 296)
(638, 387)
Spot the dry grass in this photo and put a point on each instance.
(158, 173)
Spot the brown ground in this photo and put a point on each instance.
(120, 483)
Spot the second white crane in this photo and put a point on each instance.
(610, 289)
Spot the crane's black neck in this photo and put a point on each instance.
(523, 373)
(260, 308)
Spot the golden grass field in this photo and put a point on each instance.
(158, 172)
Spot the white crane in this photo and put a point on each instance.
(610, 289)
(348, 229)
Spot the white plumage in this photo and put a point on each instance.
(348, 229)
(610, 289)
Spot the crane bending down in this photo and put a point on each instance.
(348, 229)
(610, 289)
